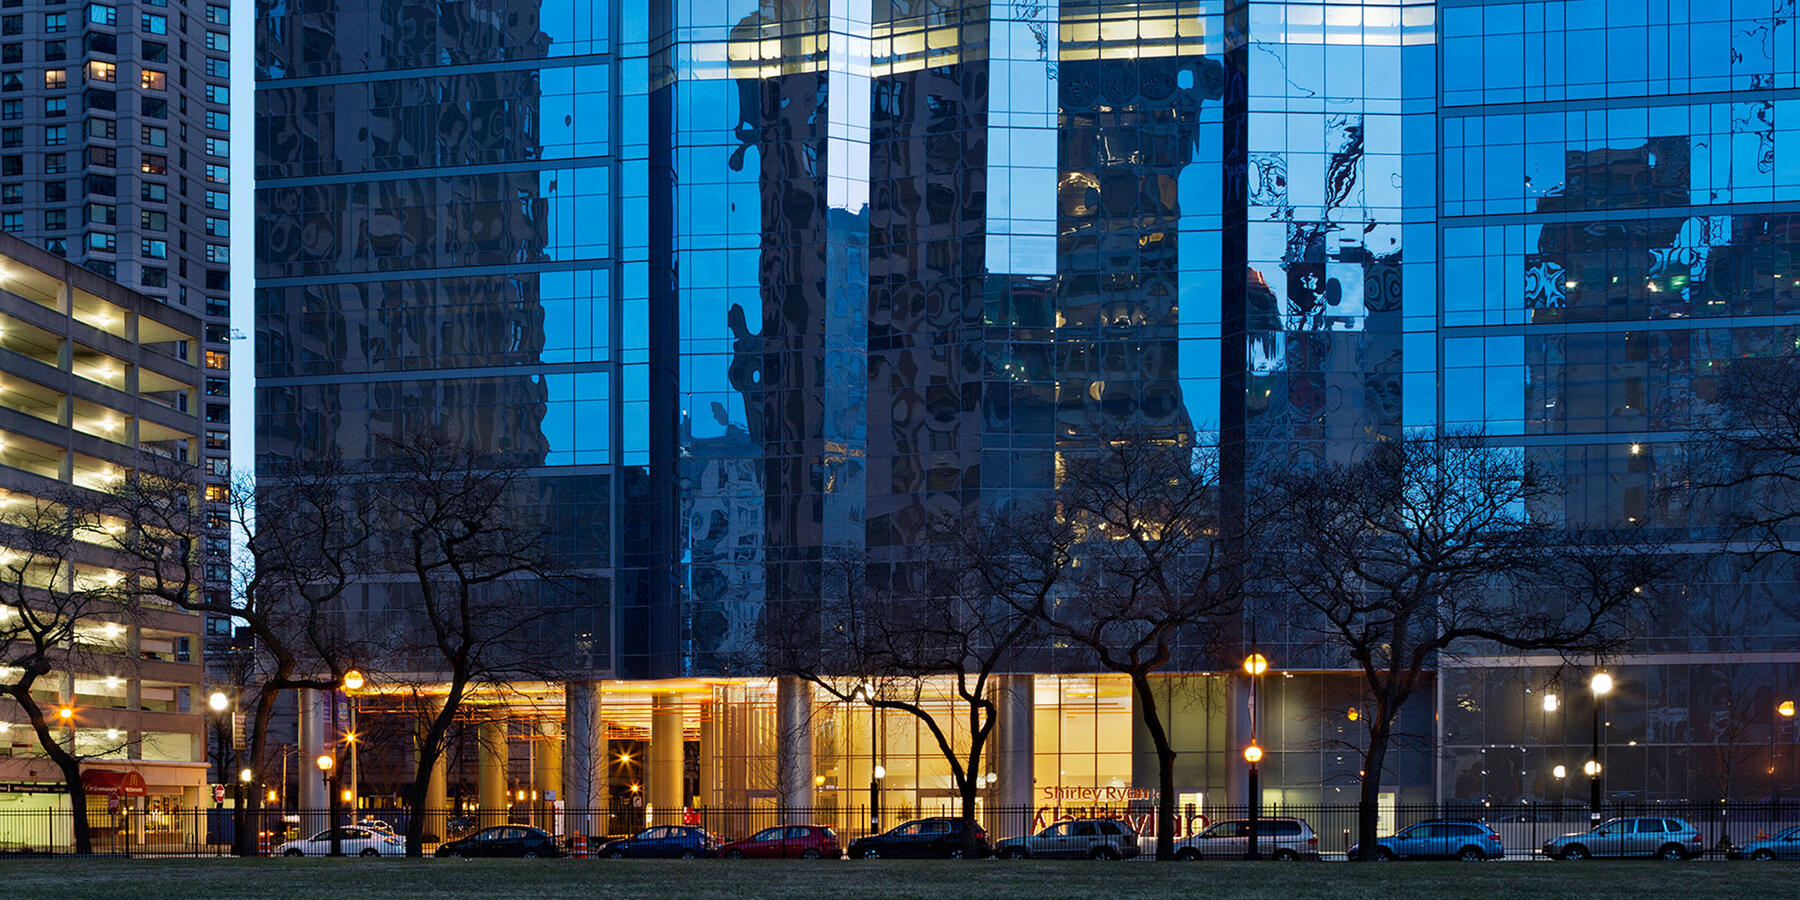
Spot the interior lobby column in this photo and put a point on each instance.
(437, 804)
(664, 793)
(547, 776)
(584, 758)
(492, 772)
(793, 748)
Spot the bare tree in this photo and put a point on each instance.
(54, 587)
(478, 582)
(1427, 544)
(287, 583)
(1160, 569)
(955, 612)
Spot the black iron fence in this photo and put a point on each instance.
(209, 832)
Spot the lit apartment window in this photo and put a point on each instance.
(102, 71)
(152, 80)
(218, 360)
(155, 165)
(56, 79)
(216, 493)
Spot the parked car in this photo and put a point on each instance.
(941, 838)
(664, 842)
(786, 842)
(355, 841)
(461, 824)
(375, 825)
(1077, 839)
(504, 840)
(1639, 836)
(1439, 840)
(1783, 845)
(1276, 838)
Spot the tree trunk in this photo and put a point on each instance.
(1165, 766)
(430, 749)
(244, 835)
(67, 763)
(969, 783)
(1368, 803)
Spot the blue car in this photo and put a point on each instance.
(663, 842)
(1439, 840)
(1783, 845)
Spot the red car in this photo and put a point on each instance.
(786, 842)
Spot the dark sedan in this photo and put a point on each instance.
(504, 840)
(938, 838)
(663, 842)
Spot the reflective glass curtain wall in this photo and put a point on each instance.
(441, 248)
(1619, 224)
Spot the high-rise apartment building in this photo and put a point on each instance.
(757, 285)
(115, 154)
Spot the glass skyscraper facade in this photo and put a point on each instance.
(759, 286)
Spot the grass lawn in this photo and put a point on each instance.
(199, 878)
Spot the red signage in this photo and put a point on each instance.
(109, 782)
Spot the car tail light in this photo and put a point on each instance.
(1312, 841)
(1695, 838)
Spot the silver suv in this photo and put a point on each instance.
(1283, 839)
(1077, 839)
(1641, 836)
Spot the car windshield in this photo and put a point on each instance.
(1609, 825)
(1790, 834)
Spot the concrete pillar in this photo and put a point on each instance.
(547, 776)
(1011, 754)
(794, 748)
(491, 772)
(584, 758)
(313, 788)
(666, 792)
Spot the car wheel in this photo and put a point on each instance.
(689, 854)
(1763, 855)
(531, 854)
(371, 851)
(1107, 853)
(1286, 856)
(1187, 854)
(616, 854)
(1671, 852)
(1383, 854)
(871, 853)
(809, 853)
(954, 853)
(1471, 854)
(1575, 851)
(735, 854)
(293, 853)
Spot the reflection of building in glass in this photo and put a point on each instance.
(760, 287)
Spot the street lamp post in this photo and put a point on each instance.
(1601, 684)
(1254, 665)
(353, 682)
(1785, 709)
(326, 765)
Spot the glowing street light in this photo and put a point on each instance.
(325, 762)
(1253, 754)
(1591, 768)
(218, 702)
(1550, 703)
(1256, 664)
(353, 680)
